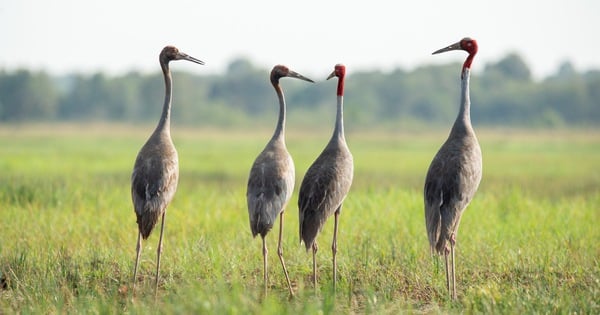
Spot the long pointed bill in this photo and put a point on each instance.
(455, 46)
(294, 74)
(331, 75)
(183, 56)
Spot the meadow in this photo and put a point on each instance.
(528, 243)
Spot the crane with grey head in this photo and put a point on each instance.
(454, 174)
(156, 170)
(271, 179)
(326, 183)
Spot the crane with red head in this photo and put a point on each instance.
(454, 174)
(326, 183)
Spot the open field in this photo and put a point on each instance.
(529, 242)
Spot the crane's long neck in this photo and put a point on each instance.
(164, 124)
(463, 120)
(339, 117)
(338, 131)
(280, 129)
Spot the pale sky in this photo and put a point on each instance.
(309, 36)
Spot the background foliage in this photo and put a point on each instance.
(504, 93)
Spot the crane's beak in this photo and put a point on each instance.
(294, 74)
(184, 56)
(455, 46)
(331, 75)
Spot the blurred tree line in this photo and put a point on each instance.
(503, 93)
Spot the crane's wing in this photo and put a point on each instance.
(324, 188)
(434, 200)
(451, 182)
(270, 186)
(153, 185)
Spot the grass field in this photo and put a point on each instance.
(529, 242)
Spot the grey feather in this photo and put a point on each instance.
(324, 188)
(270, 186)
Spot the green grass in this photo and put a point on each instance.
(529, 242)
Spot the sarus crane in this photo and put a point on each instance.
(454, 174)
(156, 170)
(271, 180)
(326, 183)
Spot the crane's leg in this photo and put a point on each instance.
(159, 250)
(315, 248)
(452, 243)
(334, 246)
(446, 253)
(265, 253)
(280, 254)
(138, 250)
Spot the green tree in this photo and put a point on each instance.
(511, 67)
(26, 96)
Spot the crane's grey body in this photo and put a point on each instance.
(326, 184)
(453, 178)
(271, 180)
(324, 187)
(154, 180)
(270, 184)
(156, 169)
(454, 174)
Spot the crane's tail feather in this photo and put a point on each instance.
(147, 222)
(310, 228)
(434, 225)
(262, 215)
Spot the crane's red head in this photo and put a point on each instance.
(280, 71)
(467, 44)
(340, 72)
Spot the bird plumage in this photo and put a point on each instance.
(270, 186)
(451, 183)
(154, 181)
(324, 188)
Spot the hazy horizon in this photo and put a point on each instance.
(117, 37)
